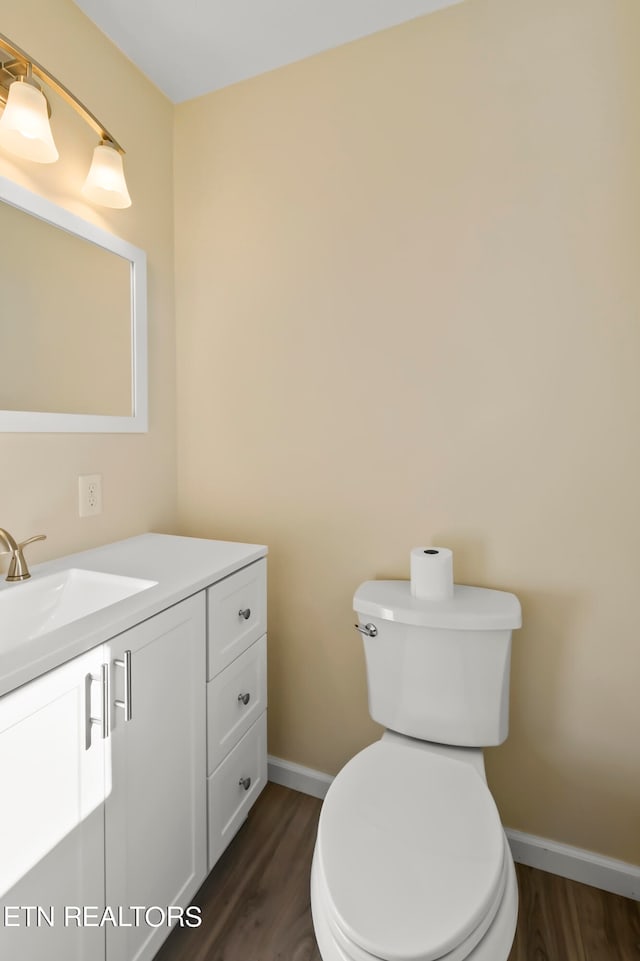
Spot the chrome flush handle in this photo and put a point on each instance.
(369, 629)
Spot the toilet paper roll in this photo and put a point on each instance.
(432, 573)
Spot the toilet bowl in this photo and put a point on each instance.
(411, 862)
(494, 945)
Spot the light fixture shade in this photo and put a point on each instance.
(24, 125)
(105, 183)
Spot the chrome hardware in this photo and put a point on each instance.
(245, 782)
(104, 677)
(126, 703)
(246, 613)
(88, 719)
(18, 570)
(369, 629)
(245, 698)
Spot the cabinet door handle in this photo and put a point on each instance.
(104, 691)
(245, 612)
(245, 782)
(245, 698)
(126, 703)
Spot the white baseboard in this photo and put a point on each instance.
(599, 871)
(297, 777)
(576, 864)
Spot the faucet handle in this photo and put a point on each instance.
(18, 569)
(30, 540)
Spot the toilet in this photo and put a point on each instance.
(411, 862)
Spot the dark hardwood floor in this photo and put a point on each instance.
(255, 903)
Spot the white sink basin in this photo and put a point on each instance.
(42, 605)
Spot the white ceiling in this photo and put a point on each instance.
(191, 47)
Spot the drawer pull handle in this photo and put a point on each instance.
(245, 612)
(126, 667)
(245, 782)
(103, 721)
(245, 698)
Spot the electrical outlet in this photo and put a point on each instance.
(89, 494)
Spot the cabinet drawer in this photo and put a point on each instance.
(237, 615)
(235, 698)
(229, 799)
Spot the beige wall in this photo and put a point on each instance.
(38, 479)
(407, 302)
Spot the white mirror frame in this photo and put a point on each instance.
(45, 422)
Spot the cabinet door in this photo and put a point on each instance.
(155, 814)
(52, 764)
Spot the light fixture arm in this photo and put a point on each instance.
(24, 64)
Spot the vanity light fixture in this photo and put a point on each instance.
(25, 130)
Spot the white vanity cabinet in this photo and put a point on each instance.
(236, 701)
(118, 820)
(126, 771)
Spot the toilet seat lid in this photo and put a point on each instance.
(412, 850)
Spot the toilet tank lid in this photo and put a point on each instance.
(470, 608)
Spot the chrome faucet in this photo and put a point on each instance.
(18, 570)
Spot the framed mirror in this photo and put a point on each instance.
(73, 321)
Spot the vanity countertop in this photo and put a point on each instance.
(181, 566)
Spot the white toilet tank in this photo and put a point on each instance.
(438, 670)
